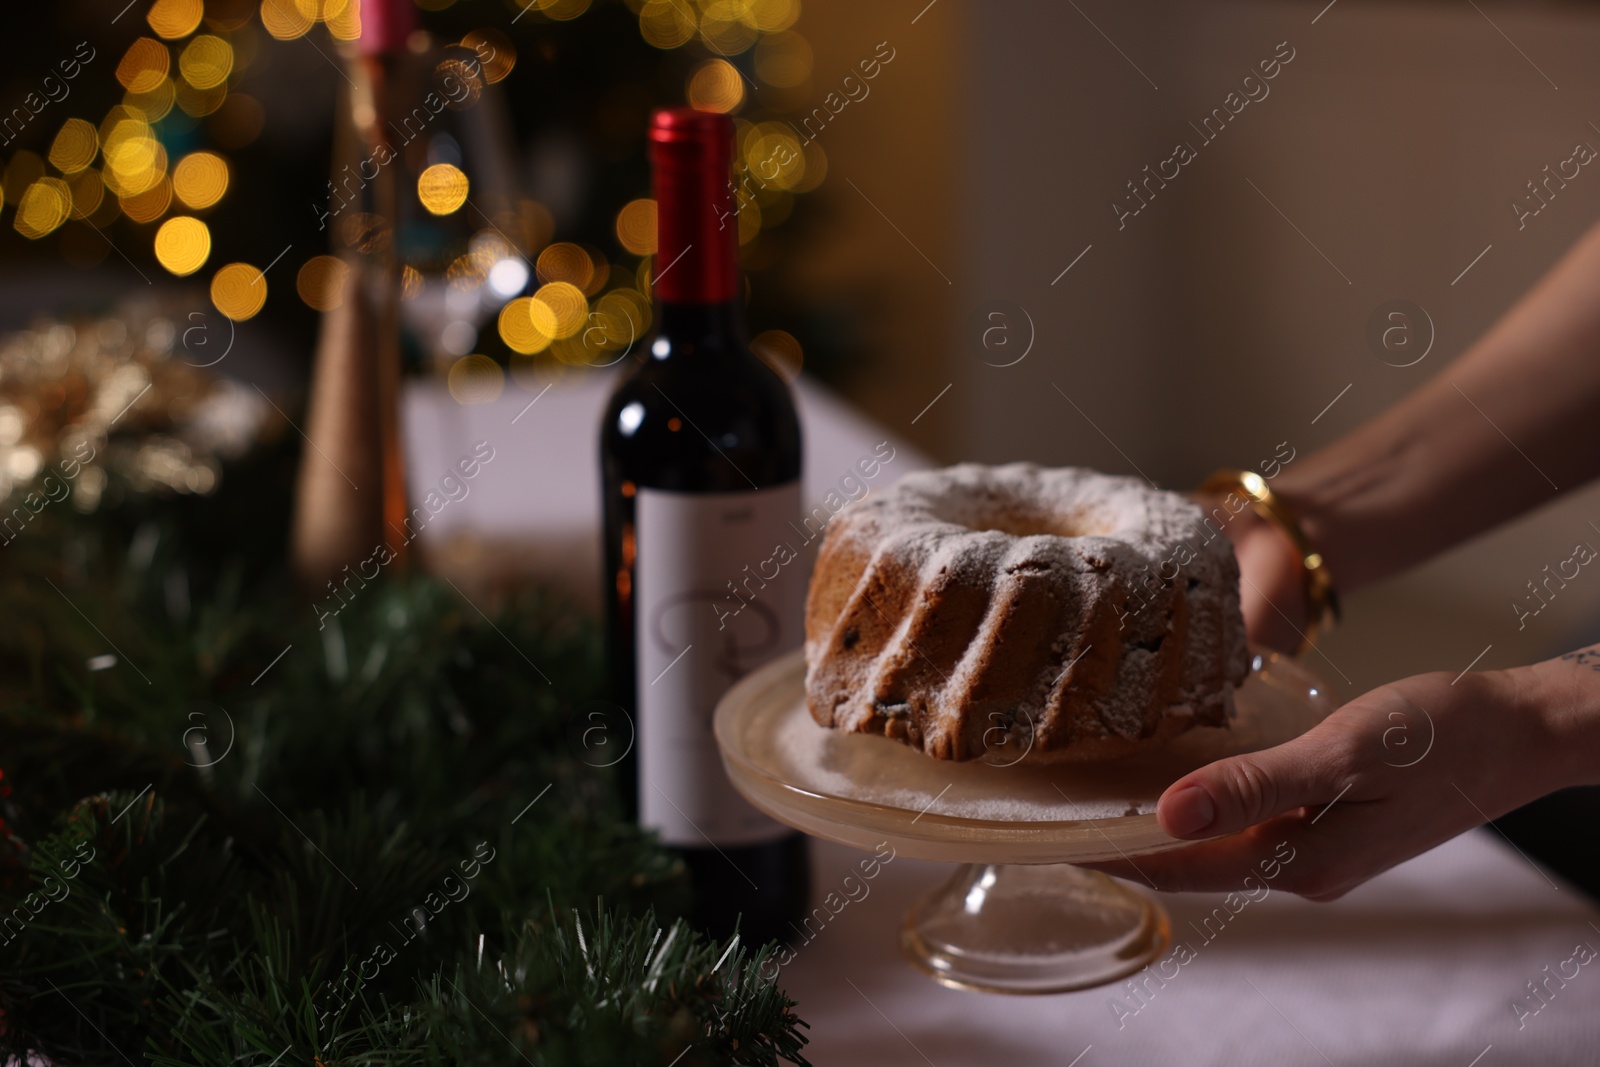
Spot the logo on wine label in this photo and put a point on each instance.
(1004, 331)
(734, 652)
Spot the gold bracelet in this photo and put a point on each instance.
(1322, 601)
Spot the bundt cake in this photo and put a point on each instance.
(973, 605)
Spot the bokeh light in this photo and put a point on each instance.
(779, 350)
(517, 329)
(725, 29)
(88, 191)
(346, 25)
(442, 188)
(183, 245)
(156, 104)
(74, 147)
(44, 206)
(636, 227)
(200, 102)
(321, 282)
(667, 23)
(239, 291)
(175, 18)
(769, 16)
(496, 54)
(476, 379)
(284, 19)
(149, 205)
(206, 62)
(716, 86)
(565, 262)
(559, 10)
(200, 179)
(559, 309)
(783, 60)
(144, 65)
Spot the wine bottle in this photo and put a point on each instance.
(700, 457)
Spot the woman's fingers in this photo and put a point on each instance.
(1226, 796)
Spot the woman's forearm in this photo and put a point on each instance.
(1506, 427)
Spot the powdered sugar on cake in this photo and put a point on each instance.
(964, 606)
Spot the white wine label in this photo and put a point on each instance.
(720, 592)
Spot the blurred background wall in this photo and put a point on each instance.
(1226, 315)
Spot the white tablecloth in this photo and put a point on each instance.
(1422, 966)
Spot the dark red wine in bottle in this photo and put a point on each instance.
(700, 454)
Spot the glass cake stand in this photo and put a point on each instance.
(1017, 917)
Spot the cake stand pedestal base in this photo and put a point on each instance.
(1045, 928)
(1019, 917)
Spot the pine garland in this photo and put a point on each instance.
(380, 847)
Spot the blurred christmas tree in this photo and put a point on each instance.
(190, 141)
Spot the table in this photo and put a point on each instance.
(1418, 967)
(1422, 966)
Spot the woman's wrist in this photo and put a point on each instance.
(1561, 698)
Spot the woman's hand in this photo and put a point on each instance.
(1272, 591)
(1386, 777)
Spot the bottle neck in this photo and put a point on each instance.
(700, 325)
(697, 231)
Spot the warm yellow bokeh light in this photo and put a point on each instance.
(495, 52)
(200, 102)
(442, 188)
(175, 18)
(667, 23)
(144, 65)
(325, 10)
(773, 154)
(749, 222)
(239, 291)
(75, 146)
(517, 329)
(155, 105)
(183, 245)
(321, 282)
(88, 192)
(723, 30)
(629, 304)
(410, 282)
(559, 309)
(346, 25)
(206, 62)
(783, 60)
(476, 379)
(716, 86)
(149, 204)
(284, 19)
(636, 227)
(135, 161)
(559, 10)
(565, 262)
(24, 169)
(769, 16)
(779, 350)
(200, 179)
(44, 206)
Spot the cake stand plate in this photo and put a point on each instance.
(1016, 917)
